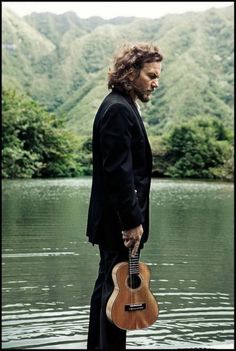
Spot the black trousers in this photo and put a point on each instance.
(102, 334)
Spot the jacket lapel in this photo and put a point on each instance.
(136, 112)
(135, 109)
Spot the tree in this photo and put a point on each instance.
(199, 149)
(35, 143)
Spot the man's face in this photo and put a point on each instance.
(147, 81)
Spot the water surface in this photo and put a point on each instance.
(49, 269)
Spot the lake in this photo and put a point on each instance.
(49, 268)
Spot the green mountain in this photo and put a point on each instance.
(62, 62)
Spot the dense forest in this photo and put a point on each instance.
(37, 144)
(54, 77)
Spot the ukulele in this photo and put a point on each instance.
(131, 305)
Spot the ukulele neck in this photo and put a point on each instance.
(133, 263)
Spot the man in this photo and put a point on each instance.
(118, 216)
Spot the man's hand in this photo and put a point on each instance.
(132, 238)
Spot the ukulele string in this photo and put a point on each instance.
(130, 275)
(133, 269)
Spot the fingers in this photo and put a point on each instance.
(135, 248)
(125, 235)
(132, 238)
(135, 233)
(132, 243)
(129, 243)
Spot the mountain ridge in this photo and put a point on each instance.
(64, 63)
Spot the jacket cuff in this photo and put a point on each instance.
(130, 219)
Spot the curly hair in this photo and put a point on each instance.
(131, 60)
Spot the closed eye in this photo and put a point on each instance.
(153, 76)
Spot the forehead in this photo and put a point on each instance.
(152, 67)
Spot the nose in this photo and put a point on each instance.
(155, 83)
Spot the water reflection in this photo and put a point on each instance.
(49, 268)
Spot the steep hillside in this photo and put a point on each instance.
(22, 47)
(62, 62)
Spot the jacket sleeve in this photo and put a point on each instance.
(115, 142)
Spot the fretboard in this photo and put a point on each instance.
(133, 263)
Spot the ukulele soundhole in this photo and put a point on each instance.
(134, 281)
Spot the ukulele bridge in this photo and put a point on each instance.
(135, 307)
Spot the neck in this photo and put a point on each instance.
(133, 97)
(133, 263)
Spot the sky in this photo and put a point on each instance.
(111, 9)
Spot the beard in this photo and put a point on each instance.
(142, 94)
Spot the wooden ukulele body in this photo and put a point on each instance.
(131, 308)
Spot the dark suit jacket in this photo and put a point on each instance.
(122, 165)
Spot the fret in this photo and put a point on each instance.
(133, 263)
